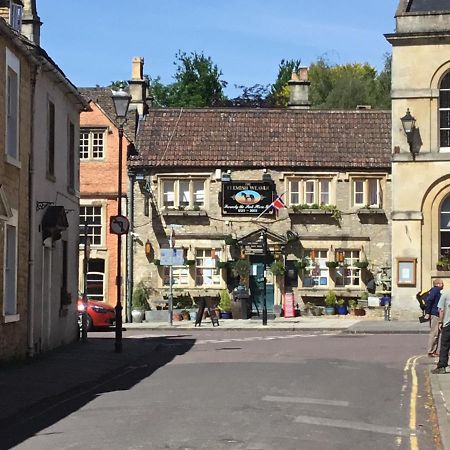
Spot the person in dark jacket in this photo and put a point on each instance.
(432, 314)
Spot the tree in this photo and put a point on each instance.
(279, 91)
(251, 97)
(197, 82)
(384, 84)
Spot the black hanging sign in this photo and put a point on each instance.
(248, 197)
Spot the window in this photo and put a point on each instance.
(187, 193)
(180, 275)
(92, 144)
(444, 113)
(92, 216)
(317, 273)
(15, 16)
(95, 279)
(445, 227)
(12, 105)
(71, 156)
(51, 139)
(207, 272)
(309, 192)
(348, 274)
(10, 267)
(367, 192)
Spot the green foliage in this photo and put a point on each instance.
(353, 303)
(251, 97)
(279, 91)
(336, 213)
(225, 300)
(330, 298)
(302, 263)
(364, 295)
(139, 298)
(340, 302)
(277, 268)
(241, 268)
(331, 264)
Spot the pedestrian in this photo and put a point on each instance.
(432, 314)
(444, 326)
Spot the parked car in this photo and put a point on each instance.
(99, 314)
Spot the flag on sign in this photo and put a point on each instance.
(278, 203)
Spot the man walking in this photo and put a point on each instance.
(444, 326)
(432, 314)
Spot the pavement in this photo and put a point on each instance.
(70, 369)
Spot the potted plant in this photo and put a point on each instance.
(331, 264)
(301, 264)
(189, 262)
(225, 304)
(363, 264)
(241, 268)
(330, 302)
(277, 268)
(341, 307)
(443, 263)
(139, 303)
(352, 304)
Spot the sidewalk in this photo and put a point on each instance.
(72, 368)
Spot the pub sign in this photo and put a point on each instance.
(247, 197)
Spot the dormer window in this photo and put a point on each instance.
(15, 15)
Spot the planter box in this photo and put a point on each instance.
(310, 211)
(161, 315)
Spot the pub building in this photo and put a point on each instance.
(204, 181)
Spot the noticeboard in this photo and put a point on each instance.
(172, 257)
(248, 197)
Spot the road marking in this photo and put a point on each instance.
(413, 406)
(351, 425)
(304, 400)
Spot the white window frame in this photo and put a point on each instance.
(12, 64)
(365, 192)
(91, 233)
(299, 188)
(354, 273)
(174, 196)
(320, 259)
(206, 267)
(442, 148)
(15, 16)
(180, 275)
(103, 277)
(87, 154)
(10, 305)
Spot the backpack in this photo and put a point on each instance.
(421, 297)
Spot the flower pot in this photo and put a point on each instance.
(137, 315)
(186, 315)
(342, 310)
(177, 317)
(330, 311)
(225, 314)
(360, 312)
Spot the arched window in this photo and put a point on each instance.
(445, 227)
(444, 113)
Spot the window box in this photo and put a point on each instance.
(184, 213)
(363, 211)
(308, 211)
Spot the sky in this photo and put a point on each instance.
(93, 41)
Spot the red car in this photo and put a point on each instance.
(99, 314)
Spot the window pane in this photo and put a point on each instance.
(324, 192)
(97, 145)
(92, 216)
(12, 114)
(294, 191)
(359, 192)
(445, 118)
(169, 193)
(444, 99)
(445, 138)
(183, 193)
(310, 197)
(199, 193)
(206, 270)
(10, 271)
(445, 83)
(373, 192)
(84, 145)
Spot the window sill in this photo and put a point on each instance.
(11, 318)
(371, 211)
(13, 161)
(309, 211)
(183, 212)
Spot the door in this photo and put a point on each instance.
(257, 286)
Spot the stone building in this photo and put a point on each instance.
(204, 178)
(421, 158)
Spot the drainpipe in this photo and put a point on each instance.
(31, 220)
(130, 260)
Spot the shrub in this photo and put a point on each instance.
(330, 298)
(139, 298)
(225, 300)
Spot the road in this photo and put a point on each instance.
(250, 390)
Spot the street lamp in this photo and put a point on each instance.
(264, 248)
(409, 127)
(121, 100)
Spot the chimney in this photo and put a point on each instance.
(31, 23)
(299, 90)
(138, 86)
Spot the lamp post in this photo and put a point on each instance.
(409, 127)
(264, 246)
(121, 100)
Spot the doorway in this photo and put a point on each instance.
(256, 284)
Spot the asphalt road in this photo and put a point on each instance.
(250, 391)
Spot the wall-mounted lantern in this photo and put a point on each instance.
(409, 127)
(148, 248)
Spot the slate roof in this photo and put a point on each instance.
(264, 137)
(102, 96)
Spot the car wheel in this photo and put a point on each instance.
(89, 324)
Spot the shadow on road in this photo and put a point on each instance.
(88, 370)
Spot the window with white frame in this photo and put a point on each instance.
(12, 105)
(15, 16)
(183, 193)
(445, 228)
(10, 267)
(92, 143)
(180, 275)
(92, 217)
(317, 273)
(207, 272)
(444, 113)
(309, 191)
(348, 274)
(367, 192)
(95, 279)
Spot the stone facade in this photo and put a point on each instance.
(422, 163)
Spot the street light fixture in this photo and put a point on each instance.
(409, 127)
(121, 100)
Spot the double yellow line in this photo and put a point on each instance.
(411, 366)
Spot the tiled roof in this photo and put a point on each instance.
(264, 137)
(102, 96)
